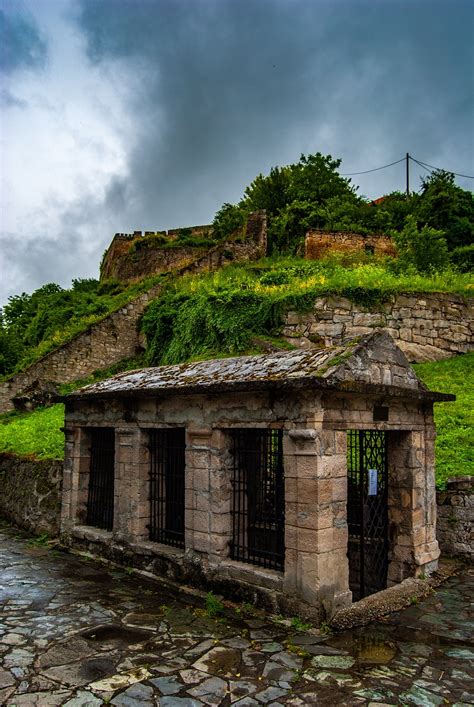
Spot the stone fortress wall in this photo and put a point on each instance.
(116, 337)
(318, 243)
(426, 327)
(119, 263)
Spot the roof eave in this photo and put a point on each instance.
(312, 382)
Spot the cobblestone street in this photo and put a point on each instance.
(75, 632)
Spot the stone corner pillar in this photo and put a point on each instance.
(412, 505)
(316, 567)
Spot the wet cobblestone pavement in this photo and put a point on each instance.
(74, 632)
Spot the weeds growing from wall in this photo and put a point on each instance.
(220, 313)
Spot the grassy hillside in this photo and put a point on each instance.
(454, 421)
(219, 314)
(38, 434)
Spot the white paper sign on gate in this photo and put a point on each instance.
(372, 482)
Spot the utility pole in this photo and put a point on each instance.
(408, 175)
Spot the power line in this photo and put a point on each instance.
(430, 166)
(425, 165)
(376, 169)
(421, 164)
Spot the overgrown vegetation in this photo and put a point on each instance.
(184, 237)
(312, 194)
(432, 229)
(219, 314)
(33, 325)
(454, 421)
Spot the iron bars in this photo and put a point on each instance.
(367, 513)
(167, 465)
(258, 498)
(100, 500)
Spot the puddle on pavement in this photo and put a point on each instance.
(368, 648)
(96, 668)
(116, 635)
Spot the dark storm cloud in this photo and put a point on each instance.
(223, 90)
(21, 43)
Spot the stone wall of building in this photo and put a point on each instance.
(30, 494)
(427, 327)
(456, 517)
(315, 578)
(319, 243)
(116, 337)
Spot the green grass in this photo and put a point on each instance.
(81, 324)
(219, 313)
(454, 421)
(36, 434)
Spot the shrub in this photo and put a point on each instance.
(463, 258)
(426, 250)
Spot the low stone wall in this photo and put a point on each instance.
(30, 494)
(117, 337)
(427, 327)
(456, 517)
(319, 243)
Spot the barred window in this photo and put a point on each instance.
(100, 499)
(167, 464)
(258, 498)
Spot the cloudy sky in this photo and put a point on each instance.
(119, 115)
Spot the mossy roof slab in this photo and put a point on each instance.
(346, 367)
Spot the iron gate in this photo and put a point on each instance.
(367, 513)
(167, 467)
(258, 503)
(100, 499)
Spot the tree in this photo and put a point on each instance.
(425, 250)
(444, 205)
(315, 178)
(270, 193)
(228, 219)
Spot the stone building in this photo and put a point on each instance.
(301, 480)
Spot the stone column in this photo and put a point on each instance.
(126, 497)
(316, 567)
(75, 478)
(140, 487)
(412, 504)
(207, 493)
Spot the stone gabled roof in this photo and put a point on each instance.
(371, 362)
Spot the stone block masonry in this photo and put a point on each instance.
(117, 337)
(456, 517)
(427, 327)
(31, 493)
(319, 243)
(126, 261)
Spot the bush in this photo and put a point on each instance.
(426, 250)
(463, 258)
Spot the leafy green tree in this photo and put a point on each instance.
(425, 250)
(270, 193)
(444, 205)
(315, 178)
(228, 219)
